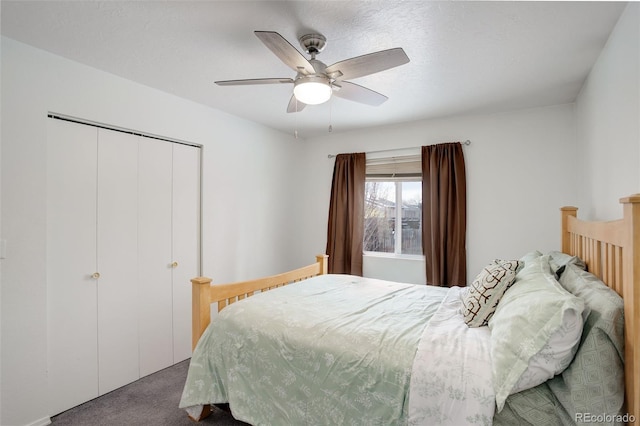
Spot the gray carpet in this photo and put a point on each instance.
(152, 400)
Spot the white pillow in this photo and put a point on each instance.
(535, 330)
(558, 261)
(531, 256)
(555, 356)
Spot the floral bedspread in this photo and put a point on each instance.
(334, 349)
(451, 378)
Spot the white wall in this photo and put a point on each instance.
(247, 194)
(521, 167)
(608, 121)
(520, 170)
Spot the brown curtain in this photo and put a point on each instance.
(444, 214)
(346, 215)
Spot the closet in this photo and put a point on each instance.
(123, 241)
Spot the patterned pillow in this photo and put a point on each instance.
(485, 292)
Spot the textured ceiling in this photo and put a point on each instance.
(465, 57)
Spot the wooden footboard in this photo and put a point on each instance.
(611, 251)
(204, 293)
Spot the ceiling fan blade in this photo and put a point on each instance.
(367, 64)
(295, 105)
(285, 51)
(357, 93)
(254, 81)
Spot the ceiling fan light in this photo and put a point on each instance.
(312, 90)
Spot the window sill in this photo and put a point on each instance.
(414, 257)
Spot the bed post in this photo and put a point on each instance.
(631, 296)
(200, 307)
(566, 236)
(322, 259)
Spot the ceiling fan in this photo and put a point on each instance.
(315, 82)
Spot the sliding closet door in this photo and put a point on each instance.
(117, 218)
(186, 243)
(154, 251)
(72, 346)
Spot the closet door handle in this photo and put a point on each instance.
(95, 275)
(174, 265)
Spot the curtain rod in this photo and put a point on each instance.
(467, 142)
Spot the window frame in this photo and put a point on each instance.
(397, 249)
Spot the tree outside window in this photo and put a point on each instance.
(393, 216)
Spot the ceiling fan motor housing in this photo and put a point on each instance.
(313, 43)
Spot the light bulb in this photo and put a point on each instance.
(312, 90)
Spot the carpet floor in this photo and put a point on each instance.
(152, 400)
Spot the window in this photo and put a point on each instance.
(393, 207)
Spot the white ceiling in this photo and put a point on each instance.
(465, 57)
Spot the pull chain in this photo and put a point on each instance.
(295, 131)
(330, 115)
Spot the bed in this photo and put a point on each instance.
(333, 374)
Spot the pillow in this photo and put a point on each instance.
(480, 301)
(594, 381)
(556, 354)
(558, 261)
(535, 316)
(530, 256)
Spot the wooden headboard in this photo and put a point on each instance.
(611, 251)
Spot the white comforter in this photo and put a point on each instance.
(451, 377)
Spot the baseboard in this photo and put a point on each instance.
(41, 422)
